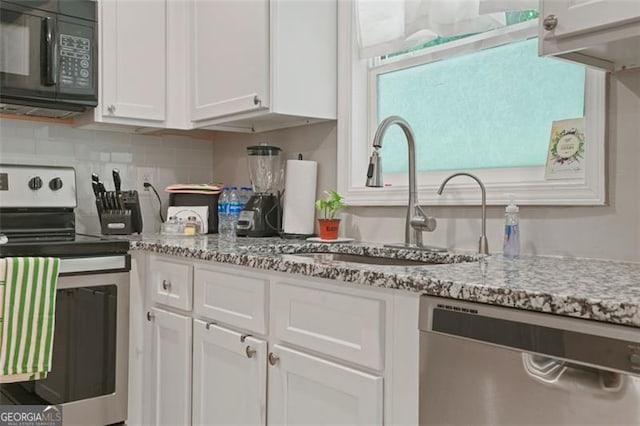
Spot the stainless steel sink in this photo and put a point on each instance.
(368, 260)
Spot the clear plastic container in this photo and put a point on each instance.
(171, 226)
(511, 245)
(192, 226)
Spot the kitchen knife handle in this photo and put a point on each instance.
(105, 202)
(99, 207)
(96, 189)
(117, 182)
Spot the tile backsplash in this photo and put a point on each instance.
(170, 159)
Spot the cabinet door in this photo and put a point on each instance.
(171, 368)
(133, 59)
(304, 389)
(229, 377)
(578, 16)
(229, 57)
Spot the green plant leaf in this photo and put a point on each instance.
(330, 204)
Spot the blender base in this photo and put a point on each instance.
(260, 217)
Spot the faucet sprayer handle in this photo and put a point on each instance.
(427, 224)
(374, 171)
(421, 222)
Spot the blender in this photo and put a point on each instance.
(260, 216)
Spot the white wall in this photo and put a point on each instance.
(172, 159)
(315, 142)
(611, 231)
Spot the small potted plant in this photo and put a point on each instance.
(327, 207)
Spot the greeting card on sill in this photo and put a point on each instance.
(566, 154)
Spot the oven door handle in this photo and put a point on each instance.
(50, 77)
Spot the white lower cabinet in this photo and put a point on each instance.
(230, 384)
(171, 373)
(304, 389)
(229, 377)
(262, 348)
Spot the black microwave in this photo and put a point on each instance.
(48, 57)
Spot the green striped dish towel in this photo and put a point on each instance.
(27, 309)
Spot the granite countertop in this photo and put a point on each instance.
(600, 290)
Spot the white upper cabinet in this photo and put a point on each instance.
(600, 33)
(230, 57)
(133, 61)
(262, 65)
(232, 65)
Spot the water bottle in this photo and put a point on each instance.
(225, 230)
(511, 246)
(244, 195)
(235, 206)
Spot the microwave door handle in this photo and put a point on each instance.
(51, 64)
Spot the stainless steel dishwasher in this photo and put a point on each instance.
(486, 365)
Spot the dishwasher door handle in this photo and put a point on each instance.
(560, 373)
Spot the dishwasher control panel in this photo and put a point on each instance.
(564, 338)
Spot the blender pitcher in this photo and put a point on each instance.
(260, 217)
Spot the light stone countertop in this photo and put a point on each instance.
(601, 290)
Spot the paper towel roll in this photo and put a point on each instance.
(299, 197)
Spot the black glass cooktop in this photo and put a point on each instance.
(68, 246)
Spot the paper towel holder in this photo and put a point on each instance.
(296, 236)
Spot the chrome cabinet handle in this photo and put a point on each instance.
(166, 285)
(249, 351)
(273, 358)
(111, 108)
(150, 316)
(550, 22)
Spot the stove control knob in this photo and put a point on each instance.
(35, 183)
(55, 183)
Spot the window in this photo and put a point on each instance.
(483, 104)
(489, 109)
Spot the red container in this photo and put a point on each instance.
(329, 228)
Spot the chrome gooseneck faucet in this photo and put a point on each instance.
(417, 220)
(483, 246)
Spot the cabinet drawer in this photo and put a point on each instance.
(231, 297)
(172, 283)
(345, 326)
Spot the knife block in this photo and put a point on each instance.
(112, 223)
(121, 222)
(132, 203)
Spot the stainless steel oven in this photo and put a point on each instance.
(89, 374)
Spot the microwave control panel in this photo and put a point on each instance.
(75, 62)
